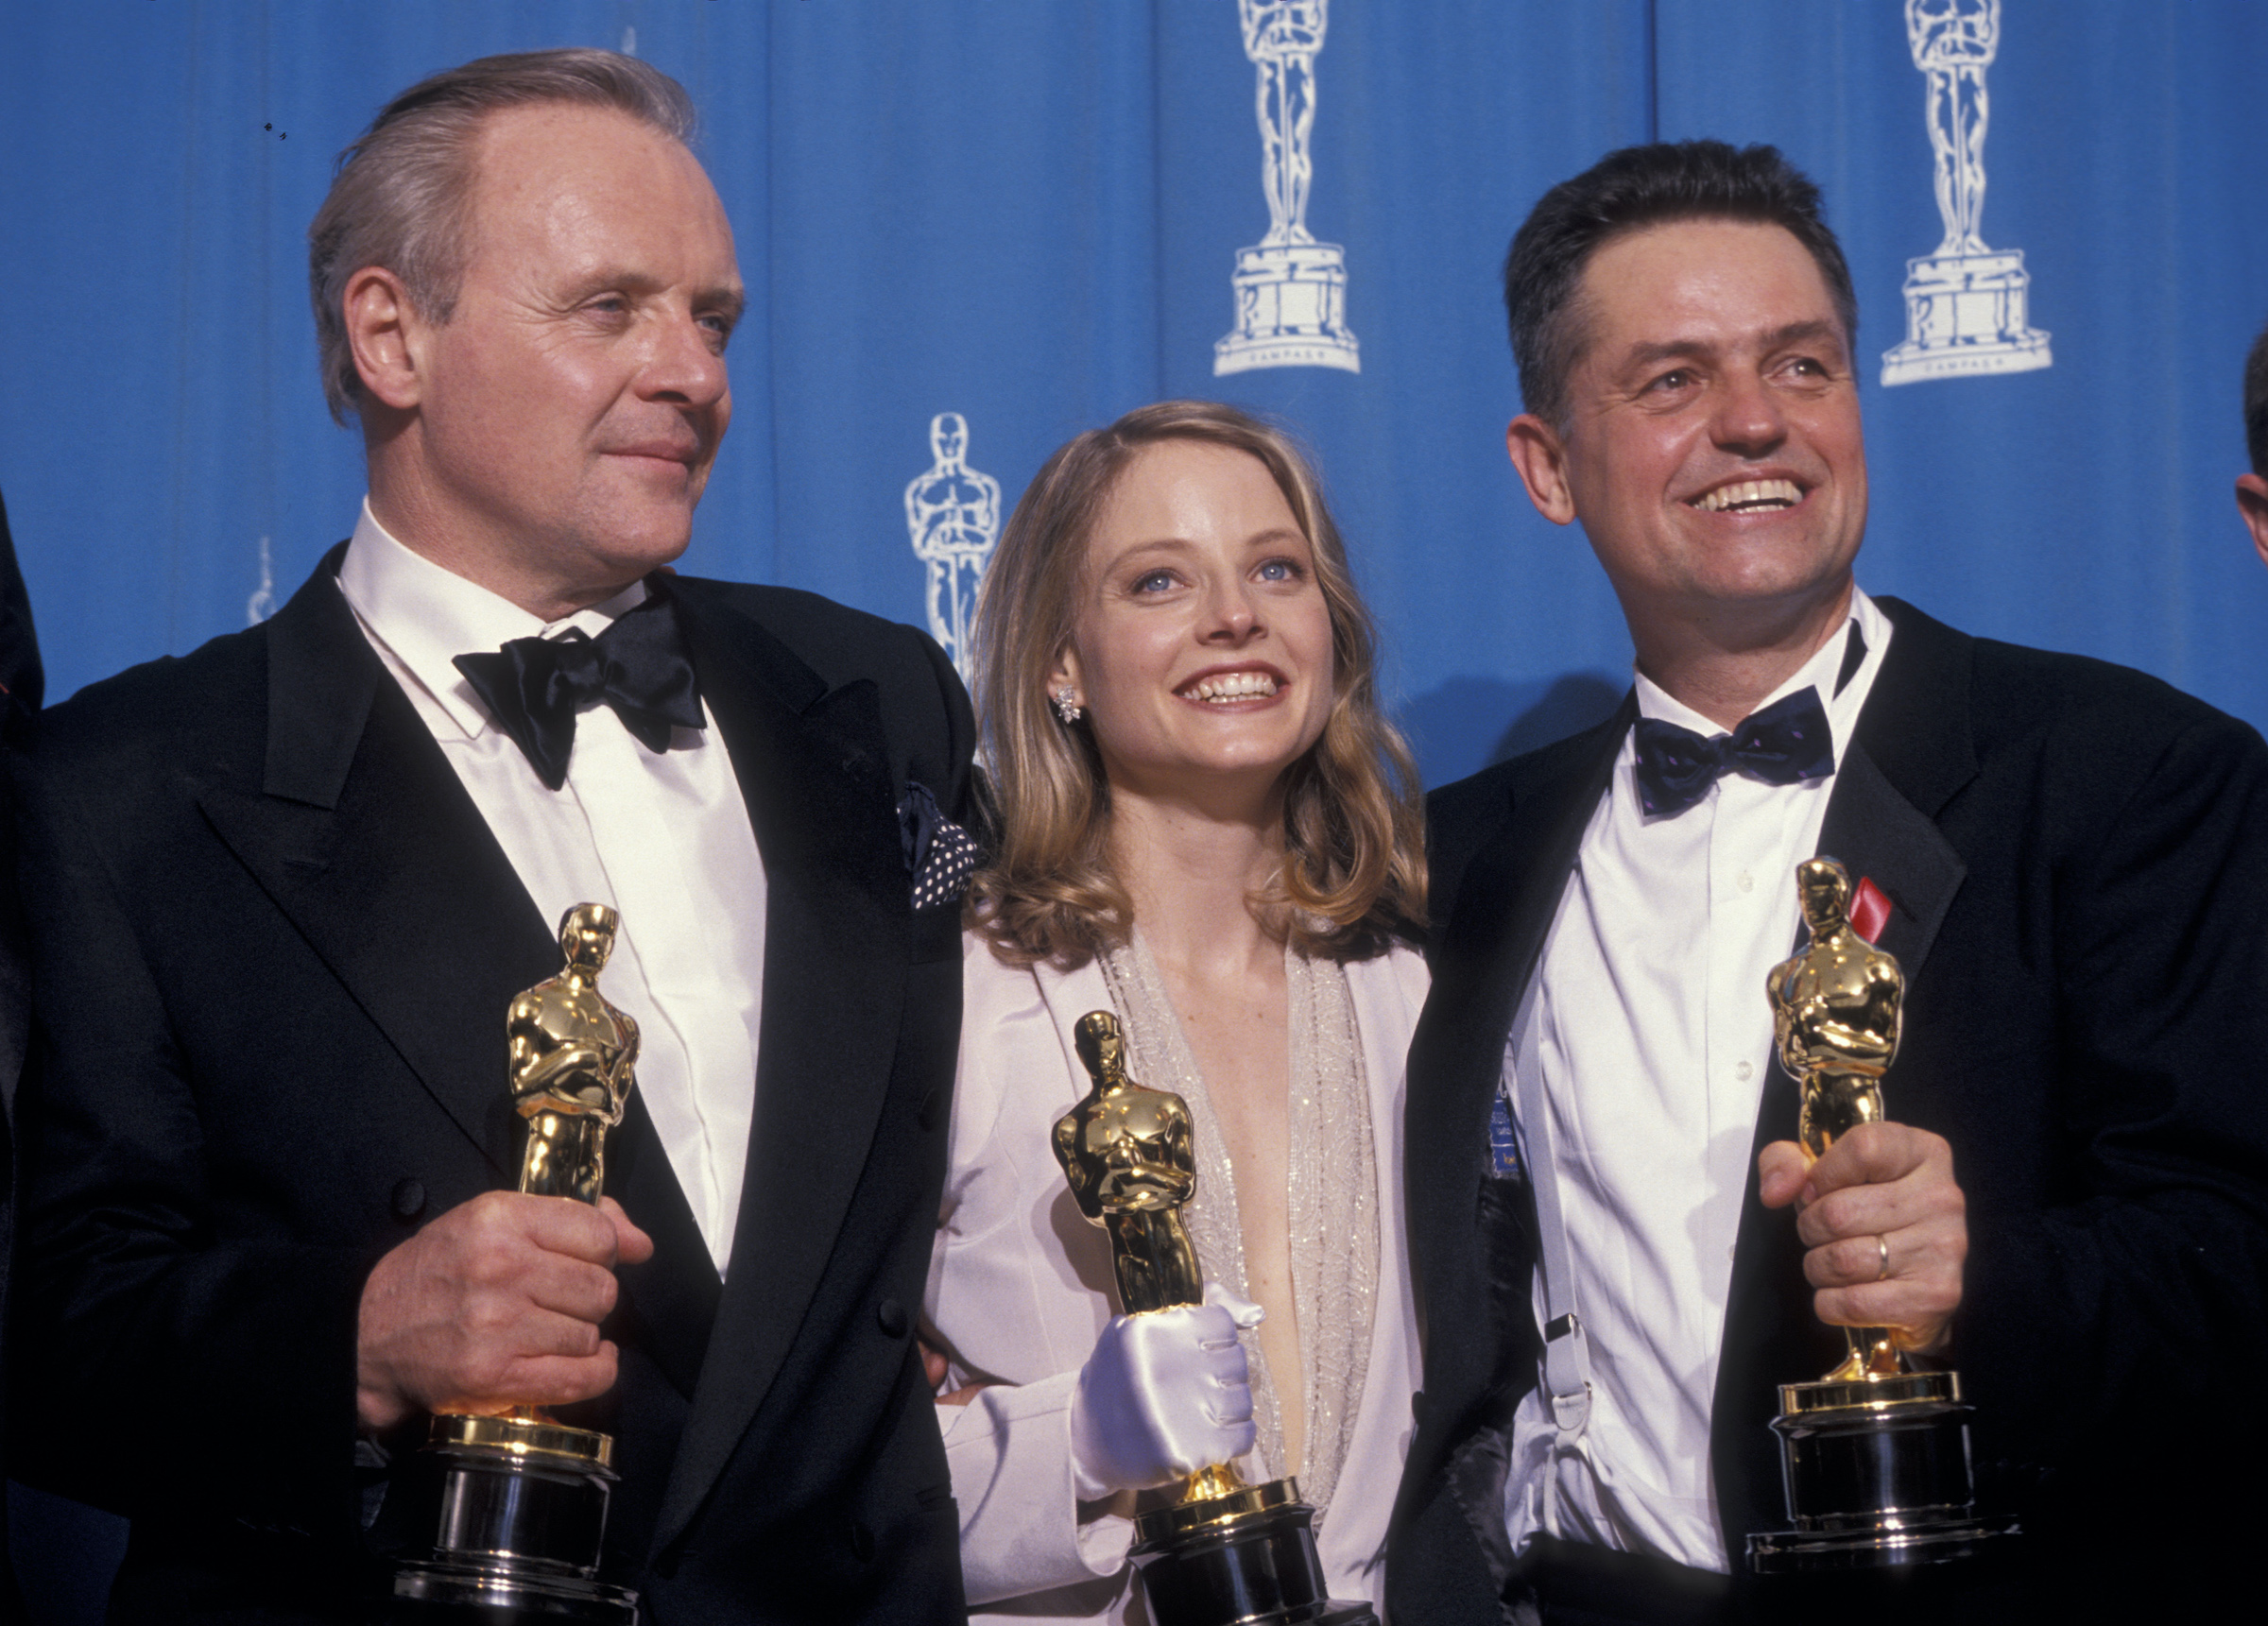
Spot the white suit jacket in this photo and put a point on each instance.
(1020, 1285)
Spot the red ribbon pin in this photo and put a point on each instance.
(1869, 910)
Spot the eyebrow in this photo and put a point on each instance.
(727, 300)
(1177, 545)
(1778, 338)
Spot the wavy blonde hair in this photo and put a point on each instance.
(1353, 872)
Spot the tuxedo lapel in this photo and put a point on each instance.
(814, 771)
(1487, 948)
(365, 837)
(1497, 926)
(1881, 836)
(1911, 752)
(366, 840)
(668, 1304)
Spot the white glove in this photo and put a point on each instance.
(1165, 1393)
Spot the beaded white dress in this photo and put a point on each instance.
(1334, 1196)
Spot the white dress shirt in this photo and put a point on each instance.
(662, 837)
(1652, 1037)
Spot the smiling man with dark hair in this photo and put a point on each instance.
(1619, 1250)
(285, 890)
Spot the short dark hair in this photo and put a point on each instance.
(2256, 405)
(401, 196)
(1623, 191)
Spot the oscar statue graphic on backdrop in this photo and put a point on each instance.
(953, 513)
(1966, 304)
(1291, 290)
(1874, 1456)
(262, 605)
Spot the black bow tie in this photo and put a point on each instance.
(534, 687)
(1785, 744)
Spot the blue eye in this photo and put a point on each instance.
(1155, 581)
(1278, 570)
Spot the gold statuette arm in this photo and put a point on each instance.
(535, 1075)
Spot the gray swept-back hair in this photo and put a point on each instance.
(401, 195)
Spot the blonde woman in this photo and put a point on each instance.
(1207, 827)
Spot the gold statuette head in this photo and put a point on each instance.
(587, 936)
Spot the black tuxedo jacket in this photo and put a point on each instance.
(275, 943)
(2077, 860)
(21, 682)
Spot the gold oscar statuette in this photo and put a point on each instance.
(523, 1497)
(1222, 1551)
(1874, 1456)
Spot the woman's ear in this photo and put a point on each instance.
(1065, 675)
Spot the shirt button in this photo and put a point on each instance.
(1744, 1072)
(1747, 883)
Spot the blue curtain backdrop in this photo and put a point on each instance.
(1028, 212)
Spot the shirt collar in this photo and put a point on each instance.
(1820, 672)
(426, 615)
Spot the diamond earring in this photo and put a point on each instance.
(1067, 705)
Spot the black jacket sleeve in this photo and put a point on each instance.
(164, 1353)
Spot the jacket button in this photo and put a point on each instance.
(891, 1315)
(410, 1199)
(1417, 1407)
(933, 1109)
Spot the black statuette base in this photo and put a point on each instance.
(1253, 1569)
(1873, 1486)
(519, 1539)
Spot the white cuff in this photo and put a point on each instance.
(1023, 1528)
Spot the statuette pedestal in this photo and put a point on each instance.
(1966, 313)
(1291, 310)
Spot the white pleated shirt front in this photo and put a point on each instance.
(1654, 1037)
(661, 837)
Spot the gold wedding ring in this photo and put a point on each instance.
(1882, 1242)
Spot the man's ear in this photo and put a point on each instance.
(2252, 502)
(1541, 457)
(382, 328)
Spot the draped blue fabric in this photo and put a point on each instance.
(1028, 213)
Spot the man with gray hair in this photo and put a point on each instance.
(284, 890)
